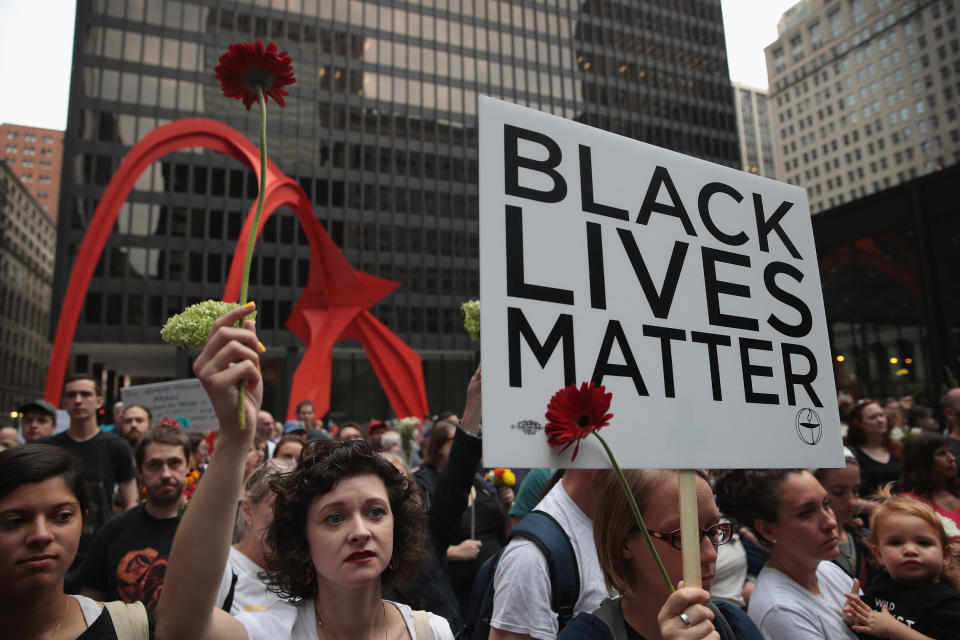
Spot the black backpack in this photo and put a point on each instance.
(541, 529)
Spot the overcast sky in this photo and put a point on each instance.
(37, 84)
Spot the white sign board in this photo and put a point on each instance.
(175, 399)
(688, 289)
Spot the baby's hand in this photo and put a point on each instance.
(862, 619)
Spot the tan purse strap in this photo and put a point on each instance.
(129, 620)
(421, 624)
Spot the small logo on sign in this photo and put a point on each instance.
(808, 426)
(528, 427)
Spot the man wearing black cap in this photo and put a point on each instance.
(38, 421)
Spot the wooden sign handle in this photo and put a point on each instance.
(690, 528)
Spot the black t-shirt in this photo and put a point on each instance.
(873, 474)
(105, 460)
(931, 609)
(103, 629)
(127, 559)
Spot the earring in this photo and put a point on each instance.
(394, 563)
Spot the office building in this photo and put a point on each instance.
(888, 265)
(864, 95)
(380, 130)
(27, 241)
(753, 129)
(36, 156)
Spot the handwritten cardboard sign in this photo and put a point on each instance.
(175, 399)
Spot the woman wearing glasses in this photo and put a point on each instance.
(800, 592)
(646, 609)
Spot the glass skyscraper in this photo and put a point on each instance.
(380, 131)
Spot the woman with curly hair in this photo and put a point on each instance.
(346, 523)
(930, 474)
(800, 592)
(869, 440)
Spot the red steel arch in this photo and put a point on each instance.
(334, 304)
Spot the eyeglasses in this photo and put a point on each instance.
(718, 534)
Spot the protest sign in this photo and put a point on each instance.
(184, 400)
(689, 289)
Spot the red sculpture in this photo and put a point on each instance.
(334, 304)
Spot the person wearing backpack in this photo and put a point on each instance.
(523, 598)
(647, 610)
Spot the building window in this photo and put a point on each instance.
(29, 137)
(796, 48)
(816, 35)
(836, 23)
(47, 139)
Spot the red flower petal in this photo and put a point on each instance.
(247, 67)
(573, 414)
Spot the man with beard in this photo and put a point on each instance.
(135, 422)
(128, 556)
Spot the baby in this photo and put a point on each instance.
(908, 600)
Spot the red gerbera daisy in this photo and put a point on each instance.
(573, 414)
(247, 67)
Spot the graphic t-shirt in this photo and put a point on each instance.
(128, 557)
(105, 460)
(932, 609)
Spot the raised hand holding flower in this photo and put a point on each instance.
(572, 415)
(251, 73)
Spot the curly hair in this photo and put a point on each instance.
(916, 474)
(323, 464)
(748, 495)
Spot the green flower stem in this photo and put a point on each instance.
(251, 238)
(636, 511)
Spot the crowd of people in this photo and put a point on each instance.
(298, 530)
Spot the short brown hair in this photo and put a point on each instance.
(73, 377)
(439, 433)
(141, 407)
(161, 434)
(613, 522)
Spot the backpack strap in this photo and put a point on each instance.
(611, 613)
(544, 531)
(721, 623)
(421, 624)
(129, 620)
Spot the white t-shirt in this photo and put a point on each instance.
(285, 621)
(91, 608)
(521, 584)
(249, 594)
(730, 573)
(784, 610)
